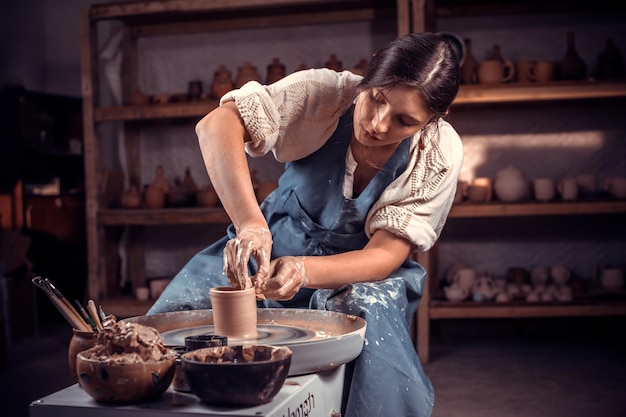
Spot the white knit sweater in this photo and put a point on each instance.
(295, 116)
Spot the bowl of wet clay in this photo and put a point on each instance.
(108, 380)
(237, 375)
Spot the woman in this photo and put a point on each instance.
(370, 175)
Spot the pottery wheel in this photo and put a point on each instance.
(319, 340)
(267, 334)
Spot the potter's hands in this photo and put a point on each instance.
(286, 277)
(249, 242)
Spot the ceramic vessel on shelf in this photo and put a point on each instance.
(466, 277)
(222, 82)
(541, 72)
(275, 71)
(610, 62)
(484, 289)
(469, 69)
(455, 292)
(360, 68)
(154, 196)
(334, 63)
(572, 66)
(131, 198)
(246, 72)
(511, 185)
(189, 184)
(207, 197)
(616, 186)
(568, 188)
(612, 279)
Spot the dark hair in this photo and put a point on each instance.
(425, 61)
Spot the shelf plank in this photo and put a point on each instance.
(154, 217)
(192, 109)
(557, 90)
(467, 95)
(467, 210)
(181, 9)
(473, 310)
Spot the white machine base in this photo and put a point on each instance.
(307, 395)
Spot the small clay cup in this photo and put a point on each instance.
(234, 312)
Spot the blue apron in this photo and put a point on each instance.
(308, 215)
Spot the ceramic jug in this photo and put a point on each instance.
(511, 184)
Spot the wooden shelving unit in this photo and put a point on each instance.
(150, 18)
(162, 18)
(424, 17)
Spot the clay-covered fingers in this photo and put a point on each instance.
(286, 277)
(249, 243)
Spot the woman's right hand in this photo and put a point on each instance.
(249, 242)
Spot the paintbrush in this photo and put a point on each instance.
(66, 310)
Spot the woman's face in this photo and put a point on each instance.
(386, 117)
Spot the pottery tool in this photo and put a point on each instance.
(85, 315)
(61, 304)
(93, 313)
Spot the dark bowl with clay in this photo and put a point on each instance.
(237, 375)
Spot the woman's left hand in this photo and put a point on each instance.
(286, 277)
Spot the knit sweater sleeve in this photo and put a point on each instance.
(296, 115)
(415, 206)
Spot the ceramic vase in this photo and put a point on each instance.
(469, 70)
(572, 66)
